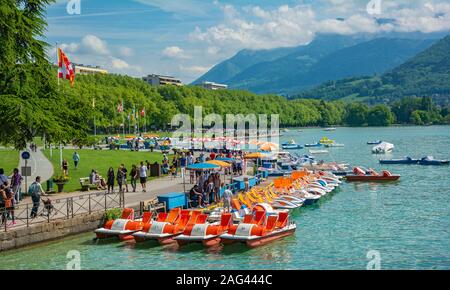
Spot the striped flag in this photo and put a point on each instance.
(120, 107)
(143, 113)
(65, 67)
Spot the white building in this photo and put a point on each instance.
(213, 86)
(158, 80)
(81, 69)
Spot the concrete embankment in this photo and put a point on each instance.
(49, 231)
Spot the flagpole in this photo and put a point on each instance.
(57, 75)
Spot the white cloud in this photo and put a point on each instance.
(119, 63)
(95, 45)
(288, 26)
(174, 52)
(195, 69)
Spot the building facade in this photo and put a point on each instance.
(81, 69)
(159, 80)
(213, 86)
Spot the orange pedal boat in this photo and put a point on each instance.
(124, 227)
(167, 226)
(203, 232)
(257, 230)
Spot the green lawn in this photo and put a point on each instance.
(98, 160)
(9, 159)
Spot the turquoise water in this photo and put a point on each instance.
(407, 222)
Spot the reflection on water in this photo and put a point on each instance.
(406, 221)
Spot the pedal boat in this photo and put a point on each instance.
(257, 230)
(167, 226)
(124, 227)
(203, 232)
(360, 175)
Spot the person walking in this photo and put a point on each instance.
(125, 176)
(110, 181)
(36, 191)
(227, 197)
(119, 178)
(65, 167)
(143, 176)
(183, 162)
(76, 159)
(217, 185)
(134, 174)
(16, 182)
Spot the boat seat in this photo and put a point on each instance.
(173, 215)
(147, 217)
(162, 216)
(226, 220)
(201, 219)
(282, 219)
(248, 219)
(260, 218)
(271, 223)
(128, 214)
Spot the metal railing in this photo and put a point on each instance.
(64, 208)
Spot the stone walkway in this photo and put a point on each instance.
(44, 170)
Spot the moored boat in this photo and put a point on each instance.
(429, 160)
(124, 227)
(313, 145)
(377, 142)
(362, 175)
(406, 160)
(382, 148)
(258, 230)
(318, 151)
(291, 145)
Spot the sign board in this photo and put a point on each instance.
(26, 171)
(26, 155)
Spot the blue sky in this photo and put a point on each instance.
(185, 38)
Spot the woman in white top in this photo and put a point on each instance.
(143, 176)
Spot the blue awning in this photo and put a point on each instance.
(202, 166)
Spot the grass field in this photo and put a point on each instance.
(98, 160)
(9, 159)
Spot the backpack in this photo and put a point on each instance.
(31, 189)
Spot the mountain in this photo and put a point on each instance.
(328, 57)
(426, 74)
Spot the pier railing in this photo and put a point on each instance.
(63, 208)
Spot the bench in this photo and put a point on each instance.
(86, 184)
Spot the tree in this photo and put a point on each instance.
(357, 114)
(29, 101)
(380, 115)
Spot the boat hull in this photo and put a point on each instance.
(399, 161)
(372, 178)
(253, 241)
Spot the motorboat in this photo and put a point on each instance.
(258, 229)
(124, 227)
(167, 226)
(329, 129)
(291, 145)
(318, 151)
(429, 160)
(205, 232)
(377, 142)
(325, 140)
(361, 175)
(313, 145)
(382, 148)
(406, 160)
(334, 145)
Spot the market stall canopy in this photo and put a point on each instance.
(269, 146)
(256, 155)
(202, 166)
(226, 159)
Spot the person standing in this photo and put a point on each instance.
(183, 162)
(65, 167)
(217, 185)
(110, 181)
(125, 176)
(143, 176)
(134, 174)
(76, 159)
(36, 191)
(227, 197)
(3, 177)
(119, 177)
(16, 182)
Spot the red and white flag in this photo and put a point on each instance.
(65, 67)
(143, 113)
(120, 107)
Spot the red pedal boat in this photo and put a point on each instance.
(167, 226)
(124, 227)
(362, 175)
(257, 230)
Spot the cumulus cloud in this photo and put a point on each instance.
(286, 26)
(119, 63)
(174, 52)
(195, 69)
(126, 51)
(95, 45)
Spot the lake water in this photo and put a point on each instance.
(407, 223)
